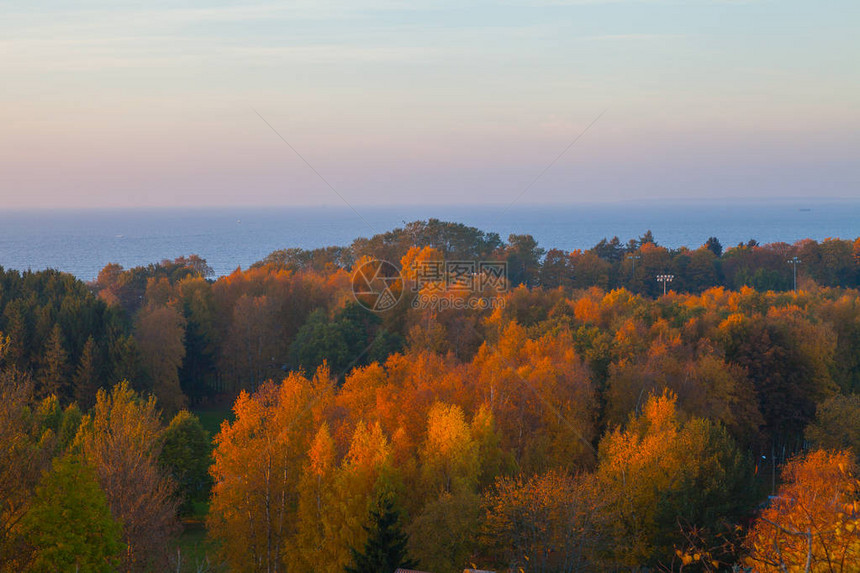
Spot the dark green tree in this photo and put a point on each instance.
(186, 456)
(648, 237)
(556, 270)
(198, 370)
(524, 257)
(353, 337)
(53, 374)
(837, 424)
(86, 381)
(126, 363)
(789, 363)
(713, 244)
(385, 549)
(69, 526)
(321, 339)
(611, 251)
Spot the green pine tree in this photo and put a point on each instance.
(86, 379)
(385, 549)
(53, 374)
(69, 526)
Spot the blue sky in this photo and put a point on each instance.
(153, 103)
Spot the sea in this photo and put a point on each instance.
(82, 242)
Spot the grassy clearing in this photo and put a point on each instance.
(195, 552)
(211, 418)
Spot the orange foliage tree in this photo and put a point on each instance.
(813, 524)
(258, 463)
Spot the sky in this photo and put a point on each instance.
(108, 103)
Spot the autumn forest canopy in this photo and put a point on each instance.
(585, 421)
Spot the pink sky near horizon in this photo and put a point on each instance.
(458, 104)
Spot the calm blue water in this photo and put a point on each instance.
(82, 242)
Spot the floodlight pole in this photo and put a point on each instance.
(634, 258)
(794, 261)
(665, 279)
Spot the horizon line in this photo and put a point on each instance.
(378, 206)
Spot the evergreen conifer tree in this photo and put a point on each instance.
(385, 549)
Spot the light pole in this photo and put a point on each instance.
(665, 279)
(634, 258)
(794, 261)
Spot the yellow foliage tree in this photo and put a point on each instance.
(121, 438)
(450, 454)
(661, 470)
(335, 501)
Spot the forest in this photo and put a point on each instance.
(159, 418)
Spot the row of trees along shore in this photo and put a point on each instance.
(586, 423)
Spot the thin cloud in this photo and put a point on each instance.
(635, 37)
(601, 2)
(331, 53)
